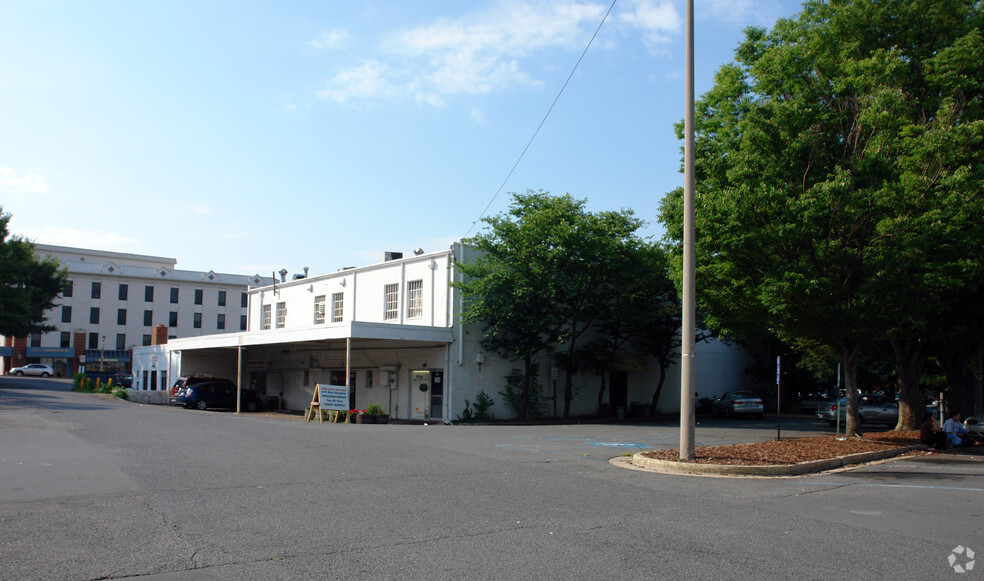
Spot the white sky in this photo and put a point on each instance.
(250, 137)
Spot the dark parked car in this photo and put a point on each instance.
(217, 394)
(190, 380)
(124, 379)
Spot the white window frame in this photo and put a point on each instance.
(337, 307)
(415, 299)
(391, 302)
(281, 315)
(267, 315)
(319, 309)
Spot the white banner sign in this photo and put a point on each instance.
(333, 397)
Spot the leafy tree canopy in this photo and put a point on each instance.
(28, 285)
(839, 174)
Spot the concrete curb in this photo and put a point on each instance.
(694, 469)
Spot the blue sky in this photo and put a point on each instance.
(247, 137)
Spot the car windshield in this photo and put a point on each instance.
(744, 395)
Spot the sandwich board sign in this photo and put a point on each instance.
(328, 397)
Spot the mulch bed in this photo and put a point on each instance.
(792, 451)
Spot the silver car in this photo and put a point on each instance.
(735, 403)
(975, 427)
(872, 409)
(38, 369)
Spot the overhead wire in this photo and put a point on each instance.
(544, 120)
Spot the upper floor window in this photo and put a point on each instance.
(220, 321)
(199, 296)
(415, 299)
(148, 294)
(243, 322)
(172, 319)
(69, 288)
(196, 321)
(337, 307)
(35, 339)
(281, 315)
(174, 295)
(66, 314)
(266, 317)
(148, 318)
(124, 291)
(120, 316)
(391, 300)
(96, 290)
(94, 315)
(222, 298)
(66, 339)
(319, 309)
(244, 300)
(120, 341)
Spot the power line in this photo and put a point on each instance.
(544, 120)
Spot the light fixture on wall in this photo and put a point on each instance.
(480, 358)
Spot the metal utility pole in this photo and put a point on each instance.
(688, 330)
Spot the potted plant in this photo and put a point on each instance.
(364, 418)
(373, 412)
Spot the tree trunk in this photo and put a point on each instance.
(601, 392)
(569, 376)
(908, 356)
(849, 358)
(663, 364)
(524, 392)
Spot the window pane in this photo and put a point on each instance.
(199, 296)
(266, 317)
(66, 314)
(120, 316)
(96, 290)
(319, 309)
(94, 316)
(337, 307)
(391, 307)
(243, 322)
(124, 291)
(222, 298)
(69, 289)
(66, 339)
(415, 299)
(281, 315)
(93, 341)
(244, 301)
(148, 318)
(220, 321)
(120, 341)
(149, 294)
(174, 295)
(172, 319)
(198, 321)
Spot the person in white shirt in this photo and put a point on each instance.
(956, 433)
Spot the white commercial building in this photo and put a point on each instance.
(391, 330)
(116, 300)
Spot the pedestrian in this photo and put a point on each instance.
(956, 433)
(929, 436)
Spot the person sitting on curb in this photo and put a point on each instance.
(956, 433)
(928, 434)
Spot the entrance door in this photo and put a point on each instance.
(619, 396)
(420, 394)
(437, 394)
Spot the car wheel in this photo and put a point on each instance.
(18, 373)
(45, 374)
(201, 404)
(252, 406)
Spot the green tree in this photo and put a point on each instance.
(541, 276)
(825, 155)
(28, 285)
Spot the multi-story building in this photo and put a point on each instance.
(390, 333)
(114, 302)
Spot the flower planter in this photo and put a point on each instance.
(384, 419)
(365, 419)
